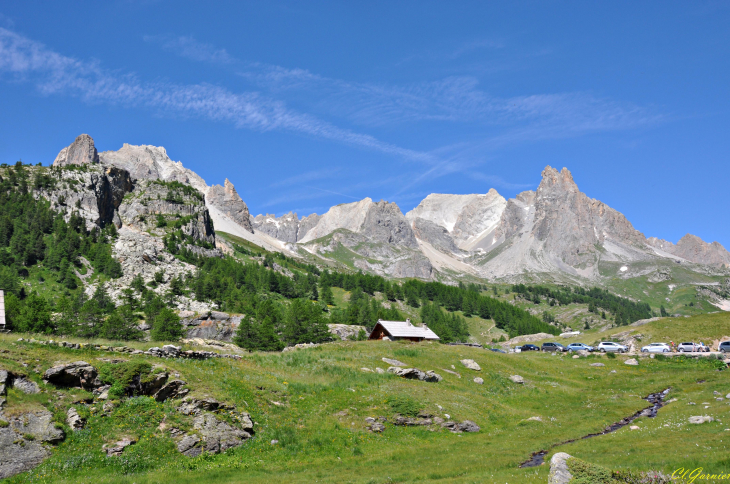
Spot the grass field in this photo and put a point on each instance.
(322, 398)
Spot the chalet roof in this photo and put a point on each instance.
(404, 329)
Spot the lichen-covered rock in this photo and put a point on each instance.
(19, 454)
(559, 472)
(218, 435)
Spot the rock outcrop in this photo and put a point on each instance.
(147, 162)
(81, 152)
(226, 199)
(77, 374)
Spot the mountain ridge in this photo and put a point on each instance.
(554, 230)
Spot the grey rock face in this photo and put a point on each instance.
(16, 458)
(151, 200)
(517, 379)
(76, 374)
(227, 200)
(217, 435)
(284, 228)
(217, 328)
(306, 224)
(188, 446)
(82, 151)
(435, 235)
(151, 163)
(94, 192)
(515, 214)
(571, 224)
(384, 222)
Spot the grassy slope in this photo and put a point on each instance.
(316, 444)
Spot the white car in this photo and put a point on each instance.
(611, 347)
(656, 348)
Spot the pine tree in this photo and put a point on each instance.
(121, 325)
(166, 326)
(327, 295)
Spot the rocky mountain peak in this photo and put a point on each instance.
(227, 201)
(80, 152)
(552, 179)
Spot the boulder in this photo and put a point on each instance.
(559, 472)
(117, 448)
(468, 426)
(517, 379)
(394, 362)
(471, 364)
(74, 420)
(376, 427)
(597, 364)
(432, 377)
(26, 386)
(631, 362)
(409, 373)
(479, 381)
(700, 419)
(76, 374)
(379, 370)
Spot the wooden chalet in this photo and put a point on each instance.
(402, 330)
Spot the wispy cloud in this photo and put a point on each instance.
(189, 47)
(307, 177)
(53, 73)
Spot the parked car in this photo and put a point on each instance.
(611, 347)
(497, 350)
(656, 348)
(725, 347)
(553, 347)
(529, 348)
(692, 348)
(579, 347)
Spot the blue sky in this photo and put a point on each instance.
(305, 105)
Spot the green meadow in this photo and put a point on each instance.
(314, 403)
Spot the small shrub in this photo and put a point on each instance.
(404, 406)
(611, 355)
(29, 436)
(3, 424)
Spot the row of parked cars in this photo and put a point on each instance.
(612, 347)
